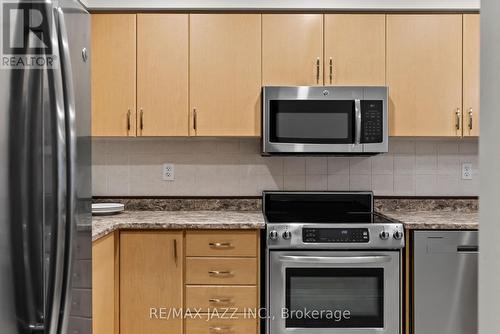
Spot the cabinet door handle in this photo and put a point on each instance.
(194, 119)
(219, 245)
(218, 273)
(317, 70)
(470, 119)
(142, 120)
(220, 300)
(128, 120)
(457, 119)
(331, 70)
(175, 250)
(219, 329)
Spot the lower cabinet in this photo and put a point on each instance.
(151, 281)
(176, 282)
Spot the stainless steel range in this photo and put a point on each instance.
(332, 264)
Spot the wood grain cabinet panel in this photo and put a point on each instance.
(424, 74)
(162, 74)
(225, 74)
(354, 49)
(241, 325)
(105, 288)
(221, 271)
(221, 297)
(221, 243)
(471, 74)
(151, 276)
(113, 63)
(292, 49)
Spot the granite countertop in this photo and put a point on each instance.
(143, 214)
(436, 219)
(144, 220)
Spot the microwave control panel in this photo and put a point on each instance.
(372, 121)
(334, 235)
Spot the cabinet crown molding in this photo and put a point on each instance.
(265, 5)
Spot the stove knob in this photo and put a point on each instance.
(398, 235)
(273, 235)
(287, 235)
(384, 235)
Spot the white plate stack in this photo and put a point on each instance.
(104, 209)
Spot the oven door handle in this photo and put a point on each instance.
(357, 122)
(337, 259)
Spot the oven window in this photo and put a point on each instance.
(341, 297)
(311, 121)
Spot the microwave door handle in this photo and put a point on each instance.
(336, 259)
(357, 122)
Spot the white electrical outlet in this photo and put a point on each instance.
(168, 172)
(467, 171)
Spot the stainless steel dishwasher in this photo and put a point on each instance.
(445, 282)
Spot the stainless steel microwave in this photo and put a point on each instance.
(324, 120)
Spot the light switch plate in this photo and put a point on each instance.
(467, 171)
(168, 172)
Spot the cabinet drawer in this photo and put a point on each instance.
(222, 326)
(216, 270)
(221, 243)
(220, 297)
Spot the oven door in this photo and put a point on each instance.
(334, 292)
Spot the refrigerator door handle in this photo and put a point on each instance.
(70, 130)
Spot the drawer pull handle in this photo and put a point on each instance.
(220, 300)
(219, 329)
(218, 273)
(219, 245)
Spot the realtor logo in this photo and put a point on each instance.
(27, 31)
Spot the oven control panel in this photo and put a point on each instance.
(335, 235)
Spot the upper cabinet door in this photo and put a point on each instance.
(354, 49)
(424, 74)
(225, 74)
(162, 74)
(471, 74)
(292, 49)
(113, 74)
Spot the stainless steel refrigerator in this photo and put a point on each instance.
(45, 164)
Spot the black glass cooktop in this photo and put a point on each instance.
(334, 218)
(328, 207)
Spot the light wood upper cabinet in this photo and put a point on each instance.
(225, 74)
(162, 74)
(151, 275)
(292, 49)
(113, 74)
(471, 74)
(354, 49)
(424, 74)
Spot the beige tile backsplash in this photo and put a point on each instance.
(234, 167)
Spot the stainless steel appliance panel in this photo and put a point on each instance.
(445, 282)
(37, 226)
(386, 261)
(76, 35)
(326, 93)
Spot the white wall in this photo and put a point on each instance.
(489, 263)
(287, 4)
